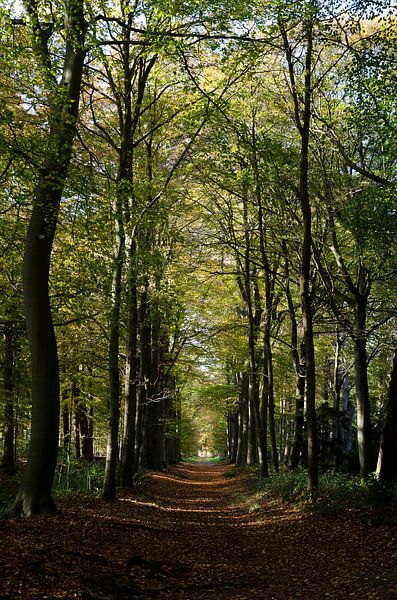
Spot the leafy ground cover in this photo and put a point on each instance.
(195, 534)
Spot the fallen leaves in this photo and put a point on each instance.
(198, 536)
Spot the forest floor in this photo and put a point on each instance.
(194, 535)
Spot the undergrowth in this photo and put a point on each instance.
(75, 477)
(78, 476)
(338, 493)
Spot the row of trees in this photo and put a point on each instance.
(171, 147)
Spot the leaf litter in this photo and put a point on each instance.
(195, 535)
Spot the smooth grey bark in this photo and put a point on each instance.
(34, 495)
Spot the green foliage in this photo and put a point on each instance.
(287, 486)
(339, 494)
(140, 480)
(78, 476)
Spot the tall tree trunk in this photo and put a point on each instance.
(387, 459)
(34, 495)
(242, 450)
(298, 359)
(144, 373)
(86, 438)
(77, 416)
(303, 125)
(65, 419)
(268, 358)
(235, 438)
(112, 447)
(299, 412)
(257, 447)
(130, 387)
(8, 459)
(302, 112)
(156, 433)
(362, 392)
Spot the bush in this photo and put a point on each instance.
(74, 475)
(339, 493)
(288, 486)
(140, 479)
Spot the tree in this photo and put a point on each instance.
(34, 495)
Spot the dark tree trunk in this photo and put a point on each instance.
(77, 417)
(257, 447)
(242, 450)
(268, 358)
(299, 413)
(298, 359)
(362, 392)
(34, 495)
(86, 433)
(65, 420)
(77, 440)
(112, 448)
(302, 110)
(234, 438)
(8, 459)
(387, 459)
(130, 388)
(155, 432)
(144, 373)
(302, 113)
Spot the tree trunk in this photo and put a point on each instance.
(8, 459)
(77, 417)
(312, 443)
(112, 447)
(34, 495)
(299, 417)
(302, 114)
(155, 433)
(130, 388)
(268, 358)
(242, 450)
(362, 393)
(387, 459)
(65, 420)
(298, 359)
(144, 369)
(86, 431)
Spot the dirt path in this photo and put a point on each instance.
(194, 535)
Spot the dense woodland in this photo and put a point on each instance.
(198, 225)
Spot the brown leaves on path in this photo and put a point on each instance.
(195, 536)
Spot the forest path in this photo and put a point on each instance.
(195, 535)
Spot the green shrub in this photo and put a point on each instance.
(230, 474)
(140, 479)
(289, 486)
(74, 475)
(338, 493)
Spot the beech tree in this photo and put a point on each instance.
(63, 95)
